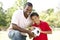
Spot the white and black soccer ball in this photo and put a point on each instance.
(36, 31)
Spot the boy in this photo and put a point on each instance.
(45, 29)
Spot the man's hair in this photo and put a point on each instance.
(29, 4)
(34, 14)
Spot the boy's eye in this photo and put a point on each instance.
(34, 19)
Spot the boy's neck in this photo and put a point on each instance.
(38, 22)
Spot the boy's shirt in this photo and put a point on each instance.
(44, 27)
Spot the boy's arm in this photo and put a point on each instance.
(48, 29)
(46, 32)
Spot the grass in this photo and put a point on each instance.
(54, 36)
(3, 35)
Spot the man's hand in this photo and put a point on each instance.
(15, 27)
(31, 35)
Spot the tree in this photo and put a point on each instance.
(2, 16)
(9, 12)
(52, 18)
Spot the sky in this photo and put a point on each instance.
(38, 5)
(7, 3)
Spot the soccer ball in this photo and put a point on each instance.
(36, 31)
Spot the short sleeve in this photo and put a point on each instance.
(47, 27)
(15, 18)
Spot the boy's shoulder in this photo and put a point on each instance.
(43, 22)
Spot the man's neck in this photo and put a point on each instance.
(25, 15)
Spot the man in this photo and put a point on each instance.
(21, 20)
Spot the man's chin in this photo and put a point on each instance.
(28, 13)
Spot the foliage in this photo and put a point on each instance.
(52, 18)
(2, 17)
(9, 12)
(49, 16)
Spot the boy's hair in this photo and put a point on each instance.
(34, 14)
(29, 4)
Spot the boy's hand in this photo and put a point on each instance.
(30, 28)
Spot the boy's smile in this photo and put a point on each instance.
(35, 19)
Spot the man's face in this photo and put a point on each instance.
(28, 9)
(35, 19)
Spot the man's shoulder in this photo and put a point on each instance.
(18, 12)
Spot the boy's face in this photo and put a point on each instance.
(35, 19)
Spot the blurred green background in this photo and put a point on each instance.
(53, 18)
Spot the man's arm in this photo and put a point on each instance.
(15, 27)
